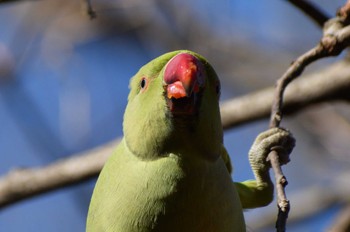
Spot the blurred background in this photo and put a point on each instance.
(64, 85)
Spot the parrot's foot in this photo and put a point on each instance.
(278, 139)
(259, 192)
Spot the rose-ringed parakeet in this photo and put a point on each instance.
(171, 171)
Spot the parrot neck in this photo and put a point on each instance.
(183, 137)
(188, 138)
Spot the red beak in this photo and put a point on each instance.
(184, 75)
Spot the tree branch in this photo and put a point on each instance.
(20, 184)
(311, 10)
(333, 83)
(309, 201)
(335, 39)
(89, 9)
(342, 221)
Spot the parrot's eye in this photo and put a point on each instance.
(143, 83)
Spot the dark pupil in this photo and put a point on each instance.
(143, 83)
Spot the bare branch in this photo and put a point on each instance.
(329, 84)
(20, 184)
(311, 10)
(332, 83)
(342, 222)
(344, 12)
(335, 39)
(89, 9)
(308, 201)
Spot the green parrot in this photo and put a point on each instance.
(171, 171)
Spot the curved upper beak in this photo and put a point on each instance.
(184, 75)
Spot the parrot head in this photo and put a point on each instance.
(173, 107)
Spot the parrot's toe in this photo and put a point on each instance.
(277, 139)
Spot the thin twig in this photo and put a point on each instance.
(344, 12)
(312, 11)
(335, 39)
(89, 9)
(342, 222)
(309, 201)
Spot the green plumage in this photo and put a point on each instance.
(171, 173)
